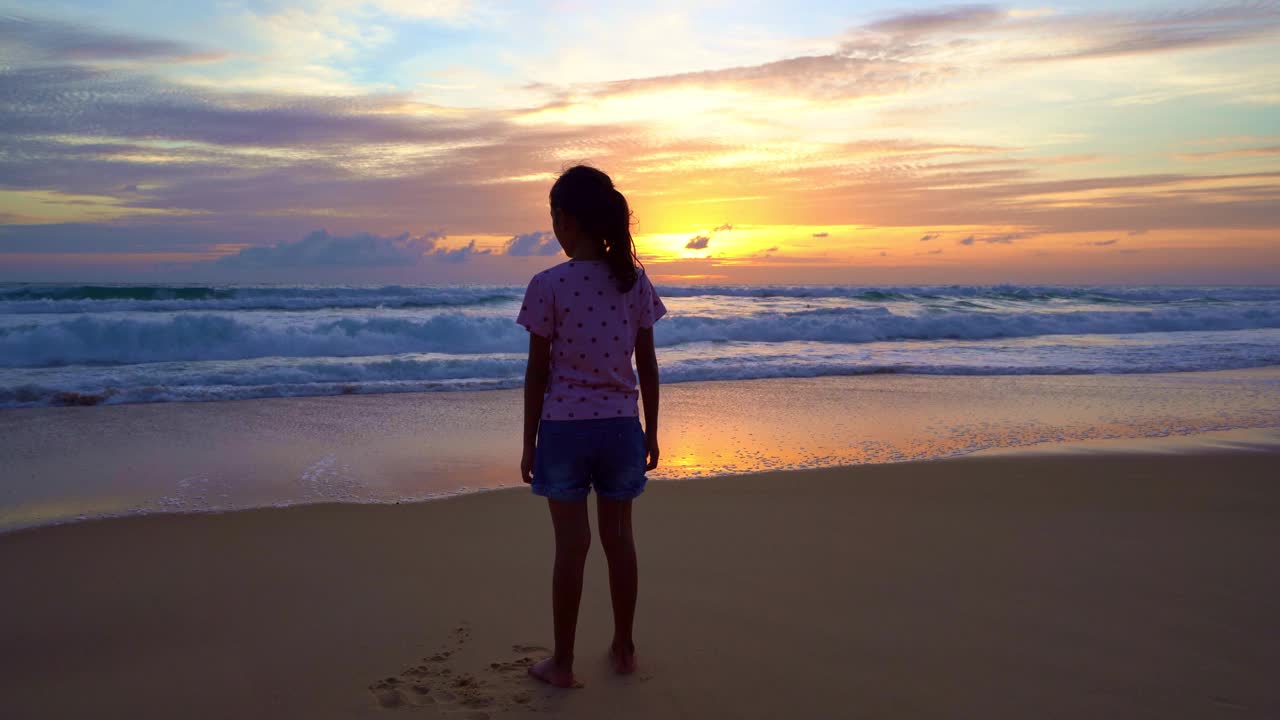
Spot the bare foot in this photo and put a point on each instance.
(550, 672)
(623, 659)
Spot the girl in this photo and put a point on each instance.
(585, 318)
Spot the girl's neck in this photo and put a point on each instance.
(588, 254)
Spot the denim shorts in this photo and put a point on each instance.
(572, 456)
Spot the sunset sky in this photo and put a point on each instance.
(805, 141)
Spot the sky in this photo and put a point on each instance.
(403, 141)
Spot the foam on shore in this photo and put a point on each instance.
(159, 458)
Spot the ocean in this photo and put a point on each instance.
(109, 395)
(112, 344)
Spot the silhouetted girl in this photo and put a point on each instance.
(586, 318)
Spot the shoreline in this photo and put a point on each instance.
(129, 460)
(76, 400)
(1099, 584)
(1264, 440)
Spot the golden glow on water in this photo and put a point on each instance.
(730, 428)
(385, 448)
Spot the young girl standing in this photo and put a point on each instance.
(586, 317)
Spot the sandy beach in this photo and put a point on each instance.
(1049, 585)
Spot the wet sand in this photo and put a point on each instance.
(1119, 584)
(66, 462)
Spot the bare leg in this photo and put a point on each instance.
(620, 549)
(573, 540)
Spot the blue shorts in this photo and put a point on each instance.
(572, 456)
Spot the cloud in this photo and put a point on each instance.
(838, 75)
(701, 241)
(930, 236)
(39, 40)
(540, 243)
(1267, 151)
(884, 254)
(963, 17)
(1102, 243)
(916, 49)
(935, 252)
(820, 234)
(419, 9)
(320, 249)
(1102, 35)
(76, 238)
(1003, 239)
(275, 166)
(1068, 36)
(460, 254)
(70, 100)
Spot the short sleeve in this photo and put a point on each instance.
(537, 311)
(650, 305)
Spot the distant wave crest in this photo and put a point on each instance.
(90, 344)
(31, 298)
(283, 377)
(207, 336)
(148, 298)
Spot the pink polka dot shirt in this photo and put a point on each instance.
(592, 327)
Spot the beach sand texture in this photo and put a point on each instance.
(1084, 585)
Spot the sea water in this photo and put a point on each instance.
(109, 344)
(119, 400)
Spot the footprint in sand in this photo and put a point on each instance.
(394, 693)
(435, 680)
(518, 691)
(431, 681)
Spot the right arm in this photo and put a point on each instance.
(536, 313)
(647, 368)
(536, 375)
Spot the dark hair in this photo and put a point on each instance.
(589, 195)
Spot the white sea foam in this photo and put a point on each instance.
(92, 344)
(205, 336)
(428, 372)
(49, 298)
(26, 299)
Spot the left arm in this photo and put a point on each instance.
(536, 374)
(647, 368)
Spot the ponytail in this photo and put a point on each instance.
(619, 248)
(589, 195)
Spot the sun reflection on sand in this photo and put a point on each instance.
(168, 457)
(807, 423)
